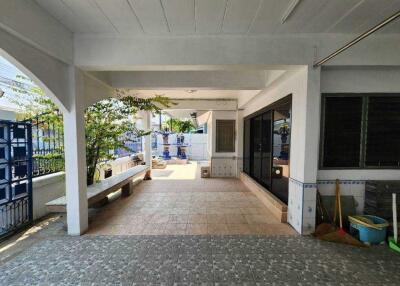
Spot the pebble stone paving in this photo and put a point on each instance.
(199, 260)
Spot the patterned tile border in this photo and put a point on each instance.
(345, 182)
(304, 185)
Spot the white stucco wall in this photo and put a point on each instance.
(49, 187)
(223, 164)
(292, 83)
(28, 21)
(304, 86)
(45, 189)
(7, 115)
(379, 79)
(197, 146)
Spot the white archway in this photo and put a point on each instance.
(34, 78)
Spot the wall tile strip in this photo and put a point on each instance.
(302, 205)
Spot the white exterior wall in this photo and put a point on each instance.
(50, 187)
(8, 115)
(197, 149)
(239, 140)
(304, 87)
(27, 21)
(223, 164)
(378, 79)
(209, 138)
(45, 189)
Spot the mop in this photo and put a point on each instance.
(393, 241)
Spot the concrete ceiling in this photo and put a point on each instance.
(197, 17)
(198, 94)
(184, 80)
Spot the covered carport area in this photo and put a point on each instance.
(80, 52)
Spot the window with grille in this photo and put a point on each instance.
(361, 131)
(225, 136)
(383, 131)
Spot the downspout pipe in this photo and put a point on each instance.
(358, 39)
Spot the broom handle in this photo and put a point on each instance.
(336, 205)
(394, 217)
(339, 204)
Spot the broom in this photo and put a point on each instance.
(332, 233)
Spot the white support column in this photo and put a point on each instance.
(75, 156)
(147, 142)
(304, 152)
(239, 141)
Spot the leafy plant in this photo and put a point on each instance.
(179, 126)
(109, 123)
(48, 156)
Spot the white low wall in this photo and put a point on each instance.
(50, 187)
(118, 166)
(44, 189)
(197, 149)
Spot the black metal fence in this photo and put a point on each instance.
(47, 143)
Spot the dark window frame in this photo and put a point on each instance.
(364, 125)
(217, 147)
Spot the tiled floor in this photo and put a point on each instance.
(45, 255)
(199, 260)
(177, 202)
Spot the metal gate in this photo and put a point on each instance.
(15, 176)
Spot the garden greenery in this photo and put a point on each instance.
(109, 123)
(179, 126)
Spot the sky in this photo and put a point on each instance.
(9, 72)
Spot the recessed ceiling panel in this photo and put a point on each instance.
(64, 15)
(239, 16)
(209, 15)
(90, 15)
(269, 16)
(191, 17)
(385, 10)
(121, 15)
(329, 15)
(180, 15)
(151, 15)
(304, 12)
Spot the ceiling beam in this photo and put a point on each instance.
(219, 80)
(226, 52)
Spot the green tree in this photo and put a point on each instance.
(179, 126)
(109, 123)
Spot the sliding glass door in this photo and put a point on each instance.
(260, 138)
(266, 150)
(256, 135)
(266, 147)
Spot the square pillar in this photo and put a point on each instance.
(75, 156)
(147, 142)
(239, 141)
(306, 106)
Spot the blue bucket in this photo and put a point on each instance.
(369, 234)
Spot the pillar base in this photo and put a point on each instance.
(147, 176)
(127, 189)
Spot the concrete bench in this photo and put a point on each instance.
(98, 192)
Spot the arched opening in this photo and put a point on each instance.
(30, 75)
(32, 146)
